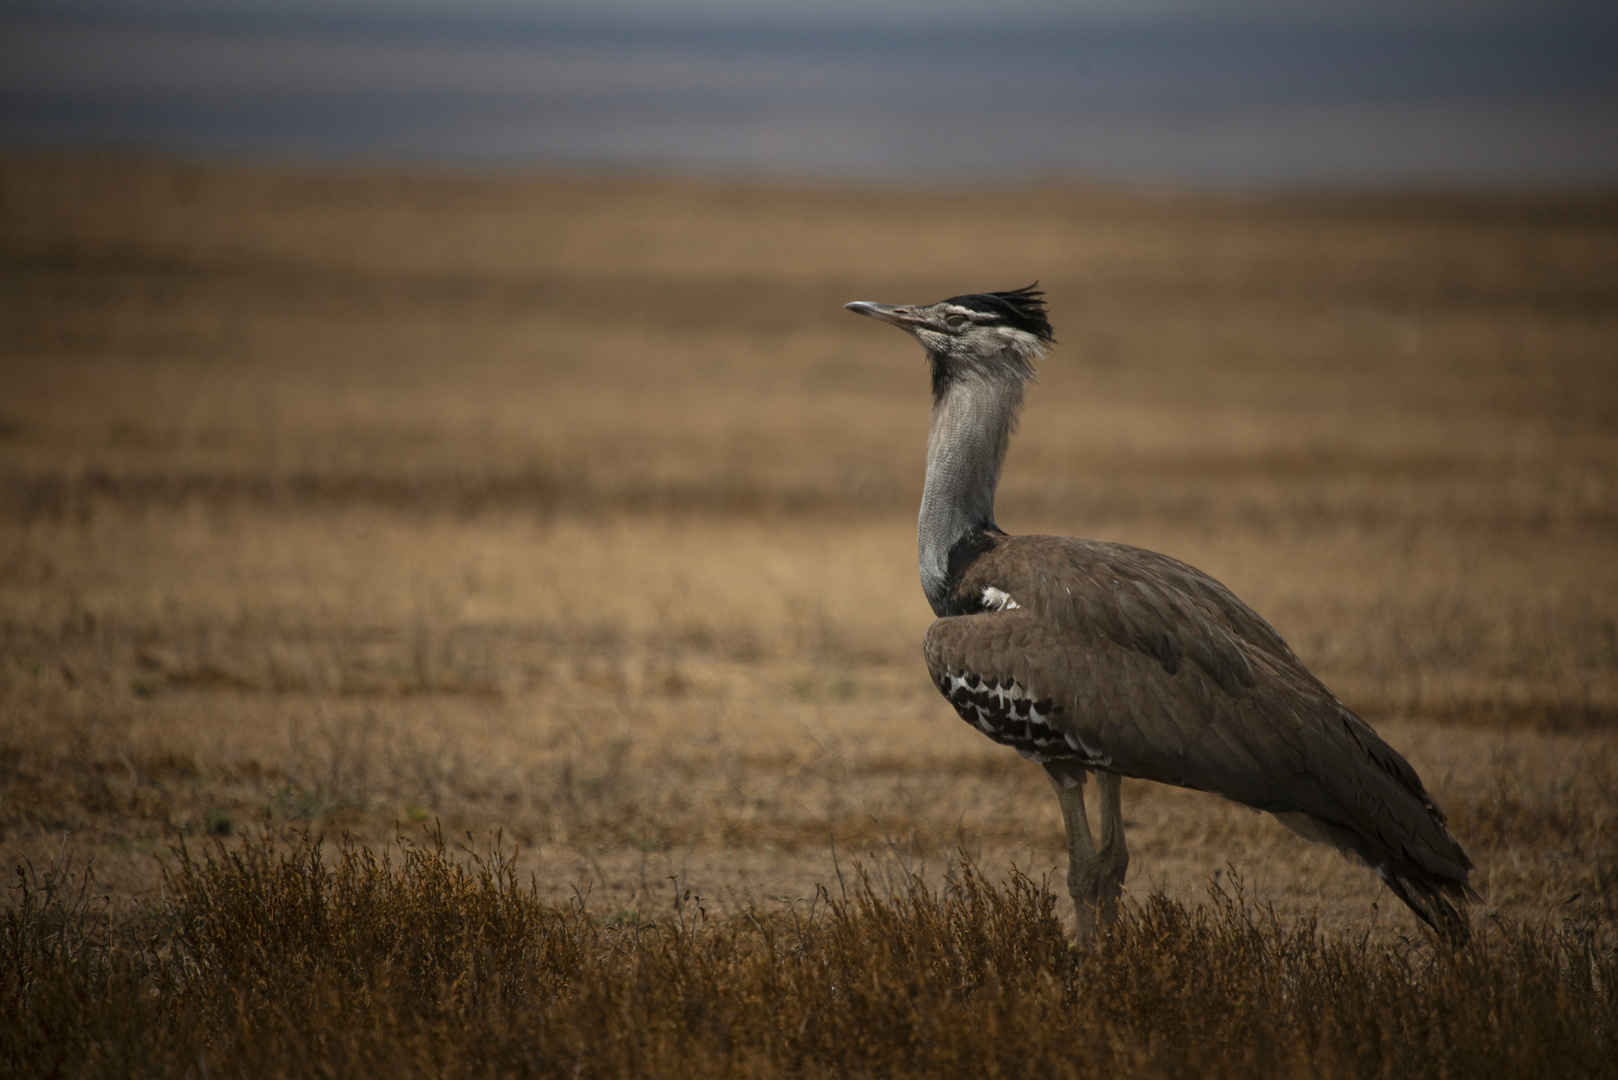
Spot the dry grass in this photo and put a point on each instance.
(579, 509)
(272, 963)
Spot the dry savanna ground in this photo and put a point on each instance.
(578, 510)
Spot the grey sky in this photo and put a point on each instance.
(851, 13)
(1493, 94)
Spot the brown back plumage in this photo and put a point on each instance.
(1116, 658)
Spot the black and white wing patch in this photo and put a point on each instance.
(1012, 716)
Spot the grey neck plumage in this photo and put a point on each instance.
(973, 417)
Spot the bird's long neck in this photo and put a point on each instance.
(973, 417)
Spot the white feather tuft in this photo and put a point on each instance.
(997, 599)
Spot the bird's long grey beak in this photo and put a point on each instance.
(902, 317)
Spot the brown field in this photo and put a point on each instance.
(578, 510)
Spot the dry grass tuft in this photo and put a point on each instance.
(267, 957)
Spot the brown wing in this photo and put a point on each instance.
(1140, 665)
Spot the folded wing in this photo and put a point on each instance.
(1124, 660)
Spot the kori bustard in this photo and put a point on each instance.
(1092, 657)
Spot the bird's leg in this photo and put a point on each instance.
(1083, 864)
(1114, 855)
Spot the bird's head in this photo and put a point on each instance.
(992, 335)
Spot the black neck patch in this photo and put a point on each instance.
(940, 373)
(962, 554)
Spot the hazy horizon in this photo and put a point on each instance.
(1241, 95)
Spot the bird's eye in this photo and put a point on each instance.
(955, 322)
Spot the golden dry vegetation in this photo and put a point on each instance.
(578, 509)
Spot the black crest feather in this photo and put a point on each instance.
(1022, 308)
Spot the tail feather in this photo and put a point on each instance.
(1440, 906)
(1436, 894)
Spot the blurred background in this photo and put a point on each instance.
(417, 412)
(1234, 92)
